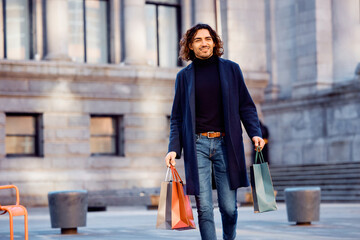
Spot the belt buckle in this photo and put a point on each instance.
(210, 133)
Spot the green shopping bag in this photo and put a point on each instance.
(261, 185)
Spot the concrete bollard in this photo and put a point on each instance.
(303, 204)
(68, 210)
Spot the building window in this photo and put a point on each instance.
(88, 31)
(23, 135)
(16, 23)
(106, 135)
(163, 32)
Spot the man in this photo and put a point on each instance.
(210, 101)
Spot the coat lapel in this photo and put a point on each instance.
(190, 77)
(224, 89)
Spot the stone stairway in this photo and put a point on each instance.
(339, 182)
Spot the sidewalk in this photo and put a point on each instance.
(337, 221)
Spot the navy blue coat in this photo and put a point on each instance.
(238, 107)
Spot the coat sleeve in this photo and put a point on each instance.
(176, 120)
(247, 108)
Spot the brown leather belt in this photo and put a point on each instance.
(212, 134)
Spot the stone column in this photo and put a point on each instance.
(57, 30)
(246, 35)
(115, 34)
(272, 90)
(205, 12)
(135, 32)
(186, 15)
(38, 22)
(346, 38)
(2, 35)
(314, 47)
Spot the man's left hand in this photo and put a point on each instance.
(258, 141)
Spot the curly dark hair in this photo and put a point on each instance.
(187, 54)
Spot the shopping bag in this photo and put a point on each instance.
(181, 213)
(261, 185)
(174, 210)
(164, 208)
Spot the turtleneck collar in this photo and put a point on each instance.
(203, 62)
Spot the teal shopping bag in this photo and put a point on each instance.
(261, 185)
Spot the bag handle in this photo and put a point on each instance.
(259, 156)
(175, 174)
(167, 177)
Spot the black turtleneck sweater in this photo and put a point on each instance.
(208, 96)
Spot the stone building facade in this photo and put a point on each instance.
(99, 113)
(312, 100)
(54, 94)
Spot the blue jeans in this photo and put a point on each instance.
(212, 152)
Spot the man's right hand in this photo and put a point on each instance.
(170, 159)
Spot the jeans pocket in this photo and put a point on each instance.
(197, 138)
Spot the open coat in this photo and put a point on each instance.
(238, 107)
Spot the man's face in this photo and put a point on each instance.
(203, 44)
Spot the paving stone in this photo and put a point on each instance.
(337, 221)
